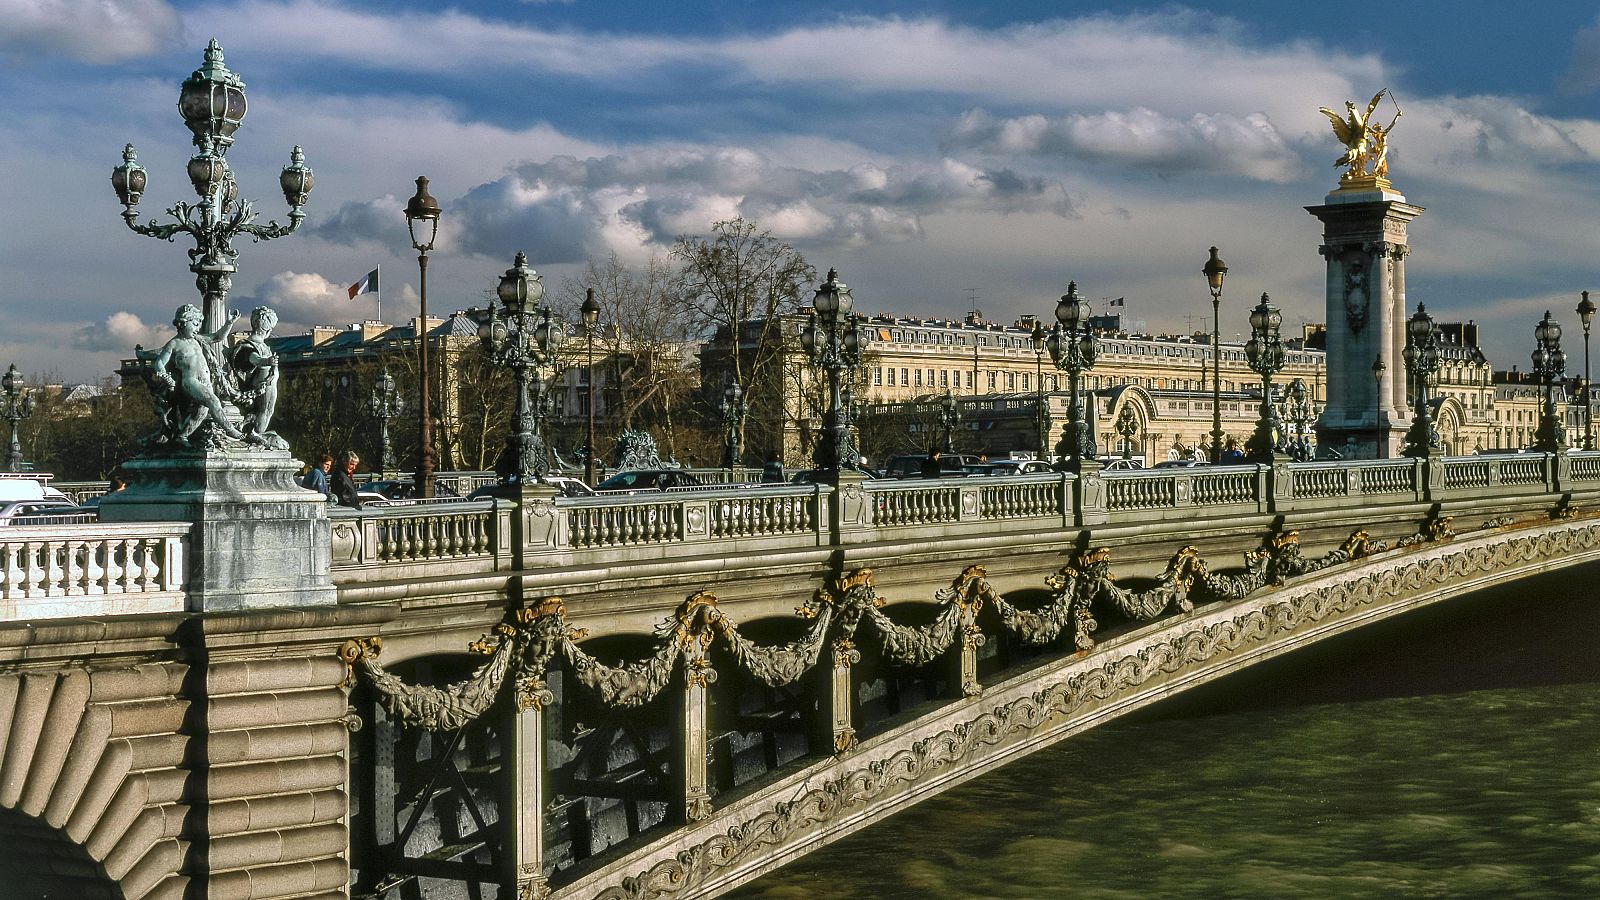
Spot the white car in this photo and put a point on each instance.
(1018, 467)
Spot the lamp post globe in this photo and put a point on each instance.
(385, 403)
(1265, 355)
(16, 404)
(733, 410)
(212, 103)
(835, 341)
(1549, 364)
(1073, 350)
(521, 336)
(1421, 357)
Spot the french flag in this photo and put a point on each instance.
(368, 284)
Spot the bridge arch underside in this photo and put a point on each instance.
(37, 860)
(1038, 701)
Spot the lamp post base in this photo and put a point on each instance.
(259, 539)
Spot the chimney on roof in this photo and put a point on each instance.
(371, 329)
(321, 334)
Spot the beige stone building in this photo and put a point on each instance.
(998, 380)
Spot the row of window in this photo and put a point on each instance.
(1014, 381)
(1128, 348)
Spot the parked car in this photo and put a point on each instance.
(565, 485)
(402, 489)
(1017, 467)
(33, 512)
(809, 476)
(909, 465)
(1180, 464)
(1122, 465)
(648, 479)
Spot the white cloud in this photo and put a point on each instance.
(1177, 61)
(93, 31)
(1248, 146)
(305, 299)
(637, 202)
(119, 333)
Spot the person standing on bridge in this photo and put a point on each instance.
(344, 483)
(317, 478)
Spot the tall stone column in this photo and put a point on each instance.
(1365, 245)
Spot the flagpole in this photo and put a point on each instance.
(379, 270)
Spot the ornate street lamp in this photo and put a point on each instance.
(1072, 350)
(1549, 364)
(1037, 338)
(834, 341)
(949, 418)
(1586, 316)
(18, 405)
(385, 403)
(1301, 410)
(733, 410)
(1215, 271)
(1127, 426)
(212, 103)
(591, 317)
(422, 222)
(1421, 357)
(524, 340)
(1264, 353)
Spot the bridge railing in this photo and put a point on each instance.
(432, 539)
(56, 570)
(694, 521)
(450, 538)
(720, 519)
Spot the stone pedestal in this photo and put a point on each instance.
(259, 539)
(1364, 243)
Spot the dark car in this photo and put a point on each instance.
(403, 489)
(648, 479)
(909, 465)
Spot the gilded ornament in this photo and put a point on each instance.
(1366, 143)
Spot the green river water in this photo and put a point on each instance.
(1451, 753)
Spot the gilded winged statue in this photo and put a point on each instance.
(1365, 141)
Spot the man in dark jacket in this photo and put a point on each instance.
(930, 466)
(343, 483)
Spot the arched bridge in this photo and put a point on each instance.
(666, 695)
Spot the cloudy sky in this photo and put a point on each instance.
(940, 154)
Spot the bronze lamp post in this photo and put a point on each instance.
(1585, 312)
(422, 221)
(591, 317)
(1215, 271)
(16, 404)
(1549, 364)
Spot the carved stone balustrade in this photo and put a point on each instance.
(53, 571)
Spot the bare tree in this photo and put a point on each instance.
(644, 342)
(739, 283)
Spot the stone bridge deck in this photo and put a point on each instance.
(675, 727)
